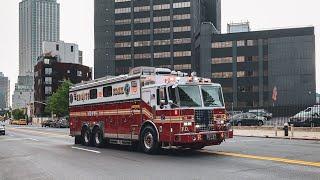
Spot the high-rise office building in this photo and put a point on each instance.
(4, 92)
(39, 20)
(158, 33)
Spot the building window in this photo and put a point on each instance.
(117, 1)
(181, 5)
(252, 42)
(226, 44)
(142, 20)
(161, 18)
(141, 32)
(123, 33)
(162, 42)
(181, 16)
(123, 44)
(223, 60)
(222, 75)
(240, 59)
(141, 8)
(141, 43)
(48, 71)
(123, 57)
(71, 48)
(122, 21)
(122, 10)
(161, 7)
(79, 73)
(182, 41)
(107, 91)
(247, 74)
(241, 43)
(48, 80)
(46, 61)
(181, 29)
(48, 90)
(182, 53)
(93, 94)
(57, 47)
(142, 56)
(180, 67)
(161, 30)
(162, 55)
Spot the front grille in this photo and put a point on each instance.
(204, 120)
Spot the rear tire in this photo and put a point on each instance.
(149, 141)
(86, 137)
(77, 140)
(97, 138)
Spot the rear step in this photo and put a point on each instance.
(120, 141)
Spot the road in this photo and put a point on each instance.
(45, 153)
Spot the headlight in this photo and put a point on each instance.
(187, 123)
(197, 126)
(222, 122)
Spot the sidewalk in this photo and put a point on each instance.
(299, 135)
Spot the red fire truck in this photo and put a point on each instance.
(149, 107)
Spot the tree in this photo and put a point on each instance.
(58, 103)
(18, 114)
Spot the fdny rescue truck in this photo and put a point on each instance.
(149, 107)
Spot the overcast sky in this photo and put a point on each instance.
(77, 24)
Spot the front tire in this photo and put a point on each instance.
(97, 137)
(86, 137)
(149, 141)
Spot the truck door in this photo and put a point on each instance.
(124, 120)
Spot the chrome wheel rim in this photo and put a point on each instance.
(148, 140)
(97, 137)
(86, 137)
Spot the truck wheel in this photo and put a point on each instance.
(260, 123)
(77, 140)
(239, 124)
(86, 137)
(149, 141)
(98, 140)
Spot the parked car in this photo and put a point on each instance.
(308, 113)
(247, 119)
(309, 122)
(306, 118)
(46, 123)
(2, 128)
(261, 112)
(60, 123)
(14, 122)
(22, 122)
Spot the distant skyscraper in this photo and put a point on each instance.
(4, 92)
(39, 20)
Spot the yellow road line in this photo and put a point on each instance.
(266, 158)
(38, 132)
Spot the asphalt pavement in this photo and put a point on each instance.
(46, 153)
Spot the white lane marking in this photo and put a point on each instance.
(19, 139)
(239, 141)
(11, 135)
(32, 139)
(83, 149)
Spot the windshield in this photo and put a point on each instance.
(189, 96)
(212, 96)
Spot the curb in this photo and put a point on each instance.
(273, 137)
